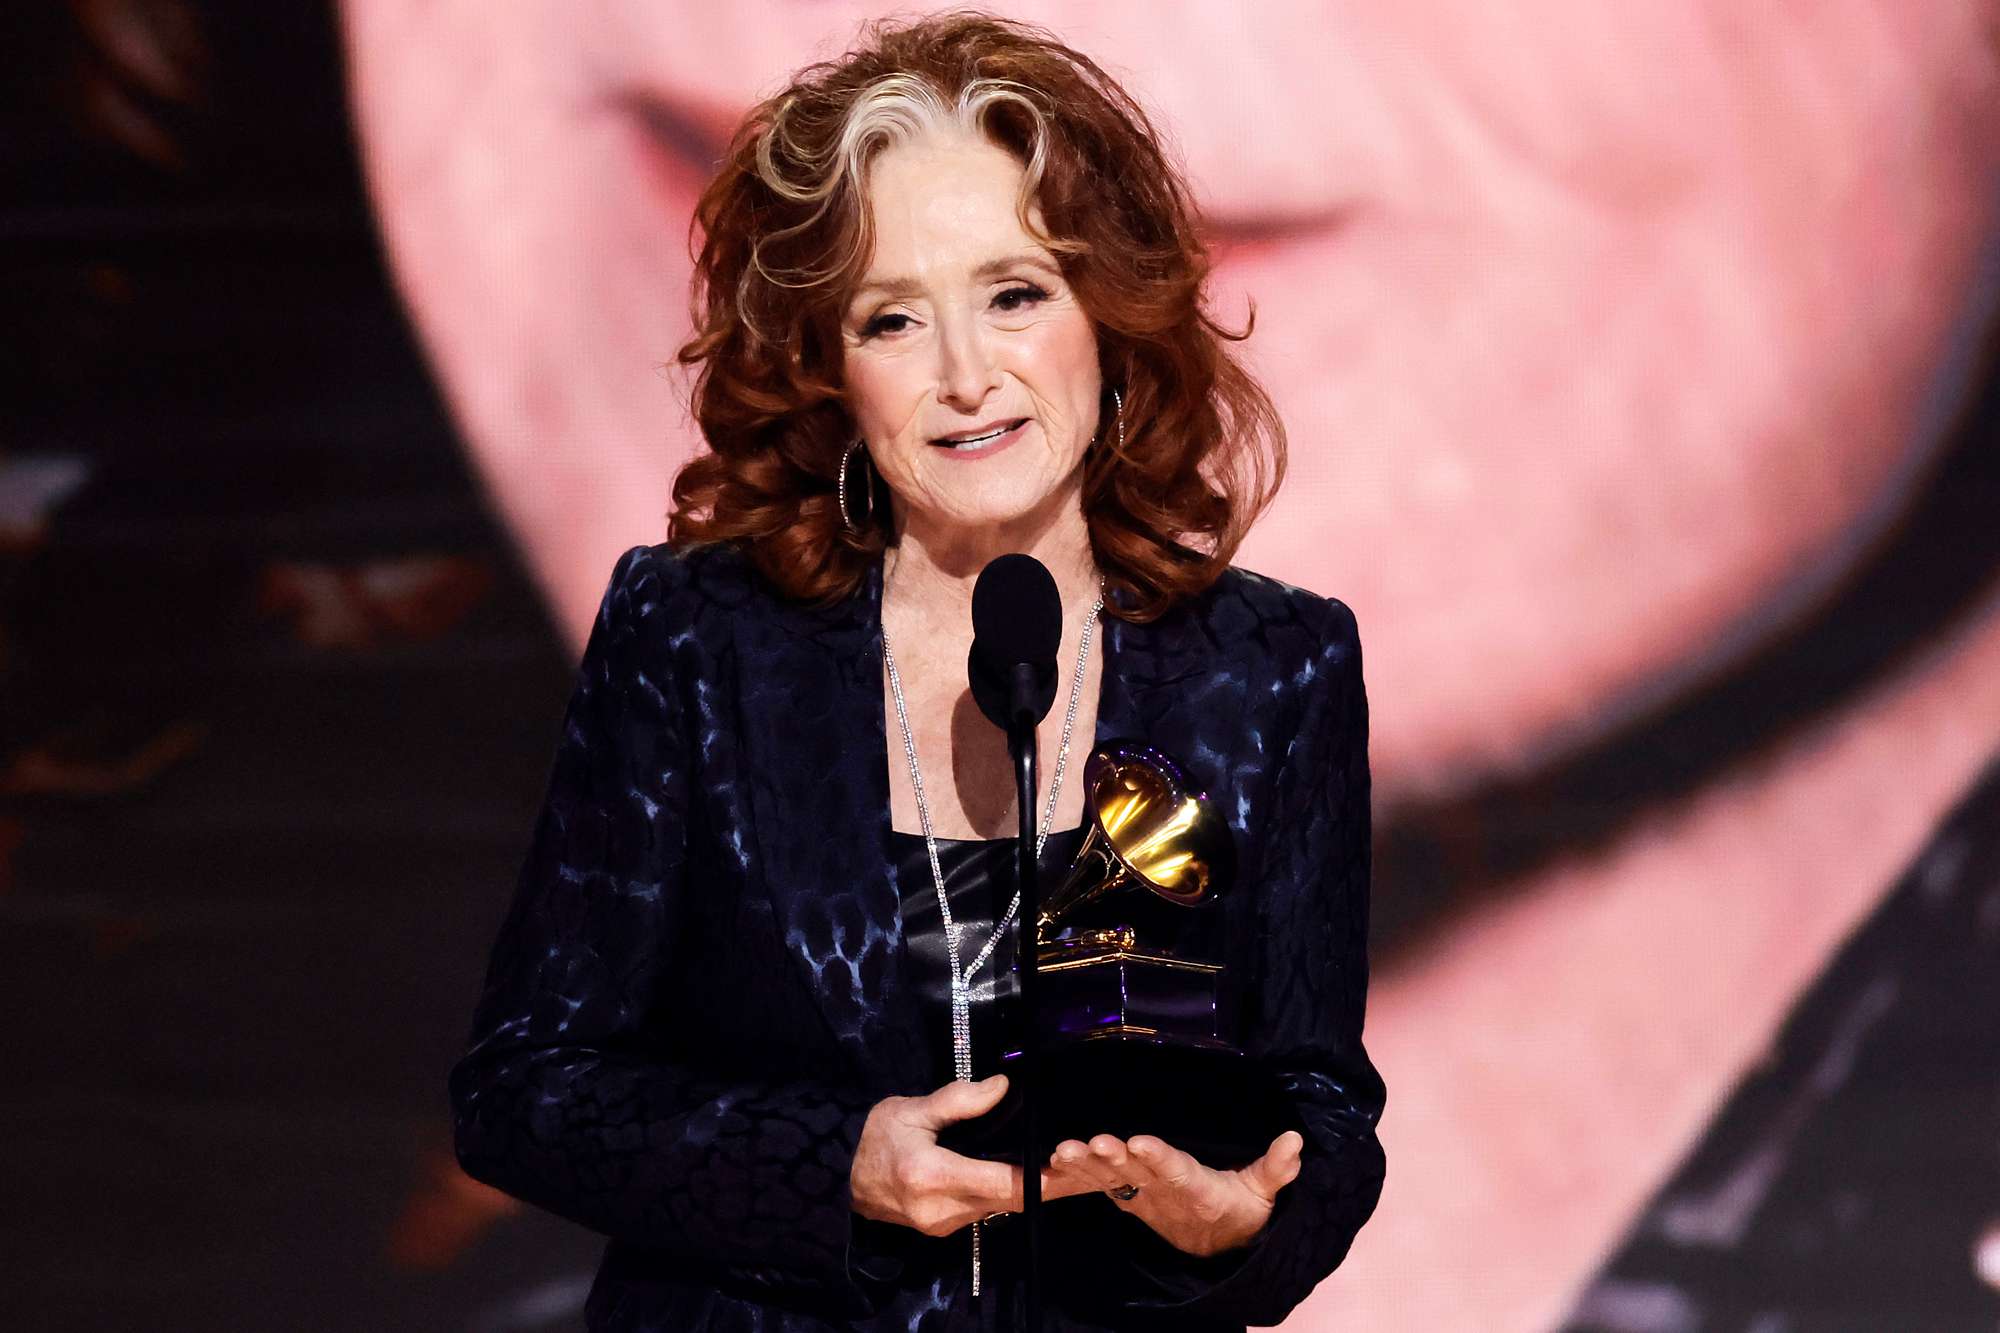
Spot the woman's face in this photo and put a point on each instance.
(970, 369)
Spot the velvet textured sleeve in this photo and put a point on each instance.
(1309, 997)
(566, 1097)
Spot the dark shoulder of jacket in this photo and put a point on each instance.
(1290, 619)
(717, 574)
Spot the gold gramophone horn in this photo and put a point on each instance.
(1146, 830)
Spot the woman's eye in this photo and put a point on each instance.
(1009, 301)
(1016, 297)
(884, 324)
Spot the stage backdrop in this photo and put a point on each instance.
(1638, 366)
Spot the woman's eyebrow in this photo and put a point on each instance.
(993, 268)
(900, 286)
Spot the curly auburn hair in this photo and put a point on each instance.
(786, 237)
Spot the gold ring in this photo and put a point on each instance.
(1124, 1193)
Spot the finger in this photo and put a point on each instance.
(957, 1101)
(972, 1181)
(1279, 1166)
(1011, 1197)
(1169, 1166)
(1066, 1181)
(1065, 1175)
(1069, 1158)
(1109, 1150)
(1074, 1159)
(1069, 1151)
(980, 1189)
(1113, 1165)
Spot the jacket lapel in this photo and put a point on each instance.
(1171, 684)
(811, 686)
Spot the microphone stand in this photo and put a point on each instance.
(1021, 745)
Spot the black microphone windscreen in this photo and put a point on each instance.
(1016, 613)
(1016, 622)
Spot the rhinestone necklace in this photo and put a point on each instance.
(961, 978)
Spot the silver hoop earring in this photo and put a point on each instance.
(840, 490)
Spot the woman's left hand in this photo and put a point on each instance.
(1194, 1208)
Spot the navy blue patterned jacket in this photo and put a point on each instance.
(698, 993)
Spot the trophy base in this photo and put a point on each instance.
(1210, 1101)
(1205, 1098)
(1129, 1046)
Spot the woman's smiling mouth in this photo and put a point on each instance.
(982, 441)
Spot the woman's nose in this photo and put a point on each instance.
(967, 369)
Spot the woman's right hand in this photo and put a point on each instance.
(901, 1175)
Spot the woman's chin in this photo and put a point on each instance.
(1018, 509)
(1015, 519)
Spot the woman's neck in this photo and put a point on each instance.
(927, 582)
(933, 566)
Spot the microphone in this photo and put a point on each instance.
(1016, 631)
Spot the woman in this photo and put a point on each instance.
(950, 308)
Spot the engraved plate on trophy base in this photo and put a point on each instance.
(1098, 990)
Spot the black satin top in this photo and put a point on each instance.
(979, 881)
